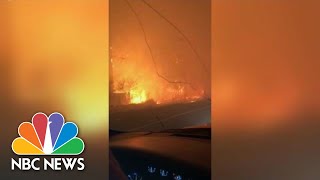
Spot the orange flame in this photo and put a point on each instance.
(135, 78)
(138, 96)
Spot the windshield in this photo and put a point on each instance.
(159, 64)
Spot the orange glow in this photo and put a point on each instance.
(259, 84)
(151, 62)
(138, 96)
(141, 84)
(59, 52)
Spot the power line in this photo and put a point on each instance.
(180, 32)
(150, 49)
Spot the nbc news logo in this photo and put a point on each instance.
(48, 136)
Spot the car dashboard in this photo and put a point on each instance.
(165, 155)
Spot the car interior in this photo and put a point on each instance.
(171, 154)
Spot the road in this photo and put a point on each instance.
(153, 117)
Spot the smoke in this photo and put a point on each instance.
(150, 57)
(265, 64)
(58, 57)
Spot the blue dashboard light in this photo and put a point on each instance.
(178, 177)
(151, 169)
(134, 176)
(163, 172)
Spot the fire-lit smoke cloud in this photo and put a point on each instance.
(265, 63)
(58, 55)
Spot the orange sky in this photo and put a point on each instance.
(59, 53)
(265, 62)
(173, 57)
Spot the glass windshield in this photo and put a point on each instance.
(159, 64)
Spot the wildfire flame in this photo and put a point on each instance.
(138, 85)
(138, 96)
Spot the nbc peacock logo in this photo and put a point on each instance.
(48, 136)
